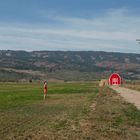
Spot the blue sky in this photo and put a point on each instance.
(98, 25)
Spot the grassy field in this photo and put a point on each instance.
(72, 111)
(133, 85)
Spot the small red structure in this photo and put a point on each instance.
(114, 79)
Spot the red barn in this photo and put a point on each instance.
(114, 79)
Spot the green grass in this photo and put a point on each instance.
(71, 111)
(22, 107)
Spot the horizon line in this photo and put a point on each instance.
(16, 50)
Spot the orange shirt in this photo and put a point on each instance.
(45, 89)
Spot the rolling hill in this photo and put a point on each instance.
(66, 65)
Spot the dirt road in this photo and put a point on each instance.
(129, 95)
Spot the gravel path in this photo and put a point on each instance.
(129, 95)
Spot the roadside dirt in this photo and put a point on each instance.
(129, 95)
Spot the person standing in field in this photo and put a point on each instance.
(45, 89)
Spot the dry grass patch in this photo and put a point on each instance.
(71, 112)
(133, 85)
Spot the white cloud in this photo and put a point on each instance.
(115, 31)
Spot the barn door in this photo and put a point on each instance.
(115, 81)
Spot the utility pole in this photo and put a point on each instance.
(138, 40)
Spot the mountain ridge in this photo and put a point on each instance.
(62, 64)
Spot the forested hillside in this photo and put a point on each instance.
(70, 65)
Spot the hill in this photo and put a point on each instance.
(66, 65)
